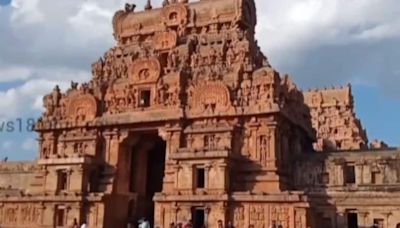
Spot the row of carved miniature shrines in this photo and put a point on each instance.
(376, 170)
(259, 143)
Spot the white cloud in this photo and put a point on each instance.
(15, 4)
(323, 42)
(26, 99)
(91, 22)
(14, 73)
(294, 24)
(26, 12)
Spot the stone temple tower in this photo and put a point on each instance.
(184, 119)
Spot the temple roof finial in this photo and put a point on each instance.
(130, 7)
(148, 5)
(165, 3)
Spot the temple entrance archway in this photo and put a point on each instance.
(147, 167)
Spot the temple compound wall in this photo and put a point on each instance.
(185, 119)
(16, 175)
(348, 187)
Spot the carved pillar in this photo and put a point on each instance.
(207, 169)
(1, 212)
(79, 172)
(359, 172)
(364, 216)
(274, 148)
(167, 137)
(300, 220)
(67, 214)
(42, 209)
(184, 213)
(51, 141)
(359, 176)
(174, 213)
(340, 174)
(159, 215)
(225, 176)
(222, 211)
(387, 215)
(114, 146)
(341, 220)
(177, 170)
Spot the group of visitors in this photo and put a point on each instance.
(188, 224)
(144, 223)
(274, 225)
(76, 225)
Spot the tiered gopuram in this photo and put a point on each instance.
(185, 119)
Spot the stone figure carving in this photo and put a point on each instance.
(130, 7)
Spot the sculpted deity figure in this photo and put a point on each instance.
(56, 96)
(247, 64)
(173, 96)
(245, 90)
(132, 97)
(74, 85)
(214, 28)
(230, 56)
(263, 148)
(210, 141)
(110, 97)
(165, 3)
(172, 60)
(130, 7)
(194, 60)
(254, 94)
(212, 56)
(161, 92)
(49, 105)
(97, 68)
(85, 87)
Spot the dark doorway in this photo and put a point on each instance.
(200, 178)
(352, 221)
(147, 174)
(198, 217)
(350, 174)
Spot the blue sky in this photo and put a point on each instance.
(379, 113)
(318, 42)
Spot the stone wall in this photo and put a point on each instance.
(363, 182)
(16, 175)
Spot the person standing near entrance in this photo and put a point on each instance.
(144, 223)
(188, 224)
(75, 223)
(273, 225)
(229, 225)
